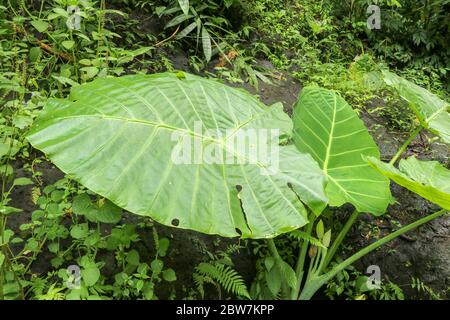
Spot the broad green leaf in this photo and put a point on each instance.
(429, 179)
(327, 127)
(118, 137)
(432, 112)
(184, 5)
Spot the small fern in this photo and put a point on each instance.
(233, 248)
(35, 194)
(303, 236)
(224, 275)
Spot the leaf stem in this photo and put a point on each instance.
(312, 286)
(299, 272)
(340, 237)
(405, 144)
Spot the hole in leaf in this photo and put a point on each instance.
(238, 188)
(175, 222)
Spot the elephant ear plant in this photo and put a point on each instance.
(117, 136)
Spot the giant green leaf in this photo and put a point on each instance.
(428, 179)
(116, 136)
(432, 112)
(327, 127)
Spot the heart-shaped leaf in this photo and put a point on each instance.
(118, 137)
(432, 112)
(428, 179)
(327, 127)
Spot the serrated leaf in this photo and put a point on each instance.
(133, 257)
(116, 137)
(432, 112)
(273, 280)
(79, 231)
(157, 266)
(107, 213)
(288, 274)
(327, 127)
(429, 179)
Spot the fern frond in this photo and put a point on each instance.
(300, 235)
(226, 276)
(233, 248)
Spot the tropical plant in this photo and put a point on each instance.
(129, 160)
(206, 17)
